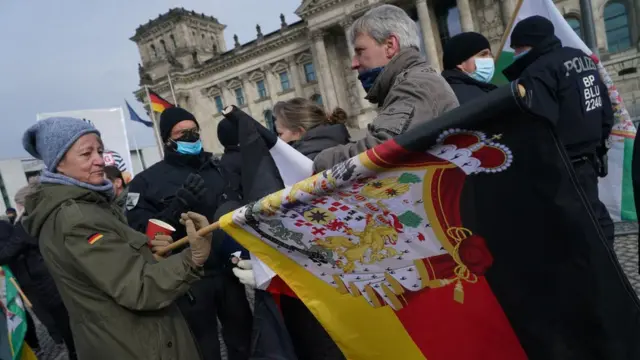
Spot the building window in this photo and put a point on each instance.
(616, 23)
(164, 45)
(219, 104)
(270, 121)
(448, 20)
(317, 98)
(309, 72)
(239, 97)
(153, 49)
(262, 90)
(173, 40)
(284, 81)
(574, 22)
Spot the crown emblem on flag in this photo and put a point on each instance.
(473, 151)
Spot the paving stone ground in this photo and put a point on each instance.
(626, 248)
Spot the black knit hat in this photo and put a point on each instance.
(532, 31)
(170, 117)
(461, 47)
(228, 133)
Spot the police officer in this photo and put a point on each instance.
(566, 88)
(188, 179)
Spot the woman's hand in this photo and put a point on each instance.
(200, 246)
(160, 242)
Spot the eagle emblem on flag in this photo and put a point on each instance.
(374, 228)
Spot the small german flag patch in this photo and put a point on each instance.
(95, 237)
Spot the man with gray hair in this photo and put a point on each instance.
(406, 89)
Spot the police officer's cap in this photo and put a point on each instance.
(531, 31)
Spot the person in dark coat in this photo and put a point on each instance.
(11, 214)
(231, 159)
(189, 179)
(569, 92)
(305, 125)
(468, 66)
(21, 252)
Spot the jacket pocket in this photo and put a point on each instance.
(137, 242)
(394, 119)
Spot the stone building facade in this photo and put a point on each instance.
(311, 57)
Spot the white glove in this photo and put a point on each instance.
(244, 272)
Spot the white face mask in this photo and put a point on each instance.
(485, 67)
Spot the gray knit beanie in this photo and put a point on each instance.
(49, 139)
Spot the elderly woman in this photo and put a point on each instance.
(120, 299)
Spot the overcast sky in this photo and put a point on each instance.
(76, 54)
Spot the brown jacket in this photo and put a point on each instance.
(408, 92)
(120, 300)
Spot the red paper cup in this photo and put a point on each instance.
(155, 227)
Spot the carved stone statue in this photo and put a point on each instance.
(145, 78)
(194, 56)
(173, 61)
(236, 43)
(283, 22)
(259, 31)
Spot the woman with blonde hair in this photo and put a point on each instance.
(307, 127)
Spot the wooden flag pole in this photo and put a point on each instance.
(24, 297)
(185, 240)
(507, 30)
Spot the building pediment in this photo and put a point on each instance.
(279, 67)
(212, 91)
(304, 58)
(309, 7)
(234, 83)
(256, 76)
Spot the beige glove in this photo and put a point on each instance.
(160, 242)
(200, 246)
(244, 272)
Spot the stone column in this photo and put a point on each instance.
(507, 7)
(228, 97)
(272, 83)
(250, 92)
(636, 4)
(429, 40)
(294, 71)
(323, 72)
(364, 104)
(466, 18)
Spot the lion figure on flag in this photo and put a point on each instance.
(373, 241)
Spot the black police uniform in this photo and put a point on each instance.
(151, 196)
(567, 89)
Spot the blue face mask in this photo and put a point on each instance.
(484, 70)
(368, 77)
(516, 57)
(189, 148)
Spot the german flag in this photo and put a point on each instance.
(94, 238)
(158, 104)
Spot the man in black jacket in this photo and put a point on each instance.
(231, 160)
(468, 66)
(188, 179)
(566, 88)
